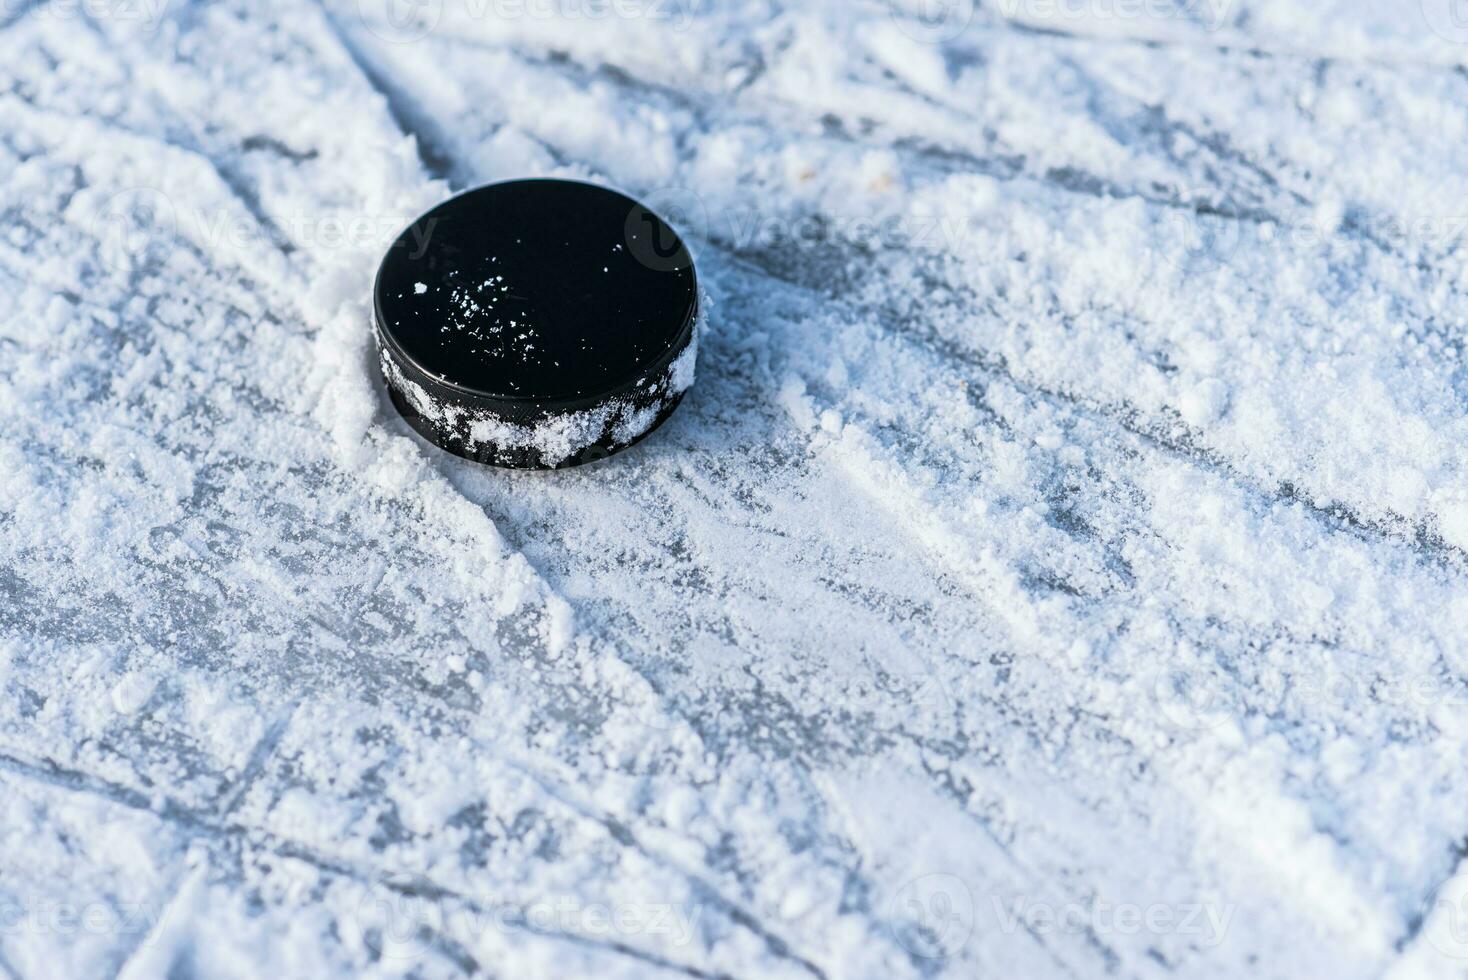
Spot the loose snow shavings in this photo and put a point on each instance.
(561, 437)
(473, 311)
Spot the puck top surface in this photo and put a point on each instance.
(543, 292)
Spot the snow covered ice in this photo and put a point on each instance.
(1060, 567)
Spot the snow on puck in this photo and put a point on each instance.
(522, 324)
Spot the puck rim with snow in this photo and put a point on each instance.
(466, 403)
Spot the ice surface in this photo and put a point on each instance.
(1058, 569)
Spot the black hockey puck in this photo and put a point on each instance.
(537, 323)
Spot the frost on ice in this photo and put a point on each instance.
(1059, 569)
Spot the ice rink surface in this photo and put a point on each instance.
(1060, 568)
